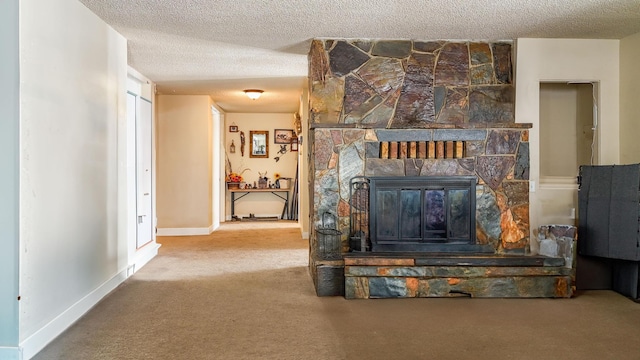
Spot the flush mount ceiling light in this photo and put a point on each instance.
(253, 94)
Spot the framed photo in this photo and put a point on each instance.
(258, 144)
(233, 128)
(294, 144)
(282, 136)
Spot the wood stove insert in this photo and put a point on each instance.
(425, 214)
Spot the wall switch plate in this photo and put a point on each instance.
(532, 186)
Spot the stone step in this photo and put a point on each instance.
(413, 259)
(424, 287)
(455, 271)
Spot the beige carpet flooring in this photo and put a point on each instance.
(244, 292)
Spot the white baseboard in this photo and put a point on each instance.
(36, 342)
(10, 353)
(143, 256)
(183, 231)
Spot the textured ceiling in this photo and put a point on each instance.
(220, 47)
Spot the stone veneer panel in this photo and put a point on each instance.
(502, 200)
(363, 98)
(410, 84)
(502, 142)
(521, 170)
(318, 62)
(494, 169)
(326, 100)
(344, 58)
(415, 106)
(491, 105)
(394, 48)
(452, 68)
(502, 62)
(382, 74)
(402, 135)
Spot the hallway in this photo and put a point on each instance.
(244, 292)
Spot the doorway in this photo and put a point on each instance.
(568, 125)
(568, 139)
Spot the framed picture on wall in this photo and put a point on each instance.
(282, 136)
(259, 144)
(294, 144)
(233, 128)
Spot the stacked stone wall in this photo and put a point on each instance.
(377, 108)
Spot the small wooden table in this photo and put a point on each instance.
(246, 192)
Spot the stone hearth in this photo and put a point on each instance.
(423, 108)
(422, 275)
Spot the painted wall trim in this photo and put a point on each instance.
(143, 256)
(11, 353)
(184, 231)
(36, 342)
(305, 235)
(9, 175)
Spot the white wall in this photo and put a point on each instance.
(304, 159)
(260, 204)
(73, 88)
(184, 159)
(629, 99)
(9, 178)
(561, 60)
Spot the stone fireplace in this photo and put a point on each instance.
(429, 125)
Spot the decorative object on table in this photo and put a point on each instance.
(281, 182)
(294, 143)
(233, 128)
(232, 148)
(329, 238)
(233, 178)
(283, 149)
(282, 136)
(242, 143)
(259, 144)
(262, 180)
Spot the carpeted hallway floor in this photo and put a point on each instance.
(244, 292)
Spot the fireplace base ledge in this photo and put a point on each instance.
(448, 259)
(369, 276)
